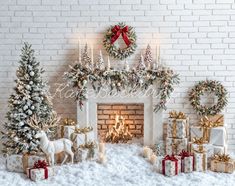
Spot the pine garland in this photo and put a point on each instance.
(118, 80)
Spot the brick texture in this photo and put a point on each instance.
(197, 40)
(132, 113)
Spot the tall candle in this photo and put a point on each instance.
(159, 53)
(92, 62)
(102, 158)
(108, 66)
(79, 51)
(102, 147)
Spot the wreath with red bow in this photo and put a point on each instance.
(129, 37)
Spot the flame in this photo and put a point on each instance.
(119, 132)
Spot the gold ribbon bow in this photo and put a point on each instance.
(83, 130)
(177, 115)
(221, 157)
(88, 145)
(198, 141)
(206, 124)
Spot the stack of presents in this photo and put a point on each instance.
(35, 165)
(195, 148)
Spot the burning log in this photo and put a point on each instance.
(119, 132)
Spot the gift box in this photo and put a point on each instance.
(81, 139)
(67, 128)
(19, 163)
(199, 143)
(175, 146)
(89, 151)
(195, 132)
(222, 163)
(40, 171)
(171, 165)
(187, 162)
(220, 149)
(200, 160)
(177, 128)
(178, 125)
(218, 136)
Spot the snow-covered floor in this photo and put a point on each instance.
(124, 167)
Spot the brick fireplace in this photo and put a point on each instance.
(132, 113)
(152, 122)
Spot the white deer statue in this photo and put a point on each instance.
(50, 148)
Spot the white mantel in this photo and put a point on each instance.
(153, 128)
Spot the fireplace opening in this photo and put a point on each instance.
(120, 122)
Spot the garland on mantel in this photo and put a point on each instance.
(117, 80)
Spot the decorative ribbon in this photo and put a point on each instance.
(183, 155)
(171, 158)
(221, 157)
(40, 164)
(207, 123)
(117, 30)
(175, 145)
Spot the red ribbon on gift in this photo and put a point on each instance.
(171, 158)
(184, 154)
(117, 30)
(40, 164)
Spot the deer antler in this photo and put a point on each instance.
(33, 122)
(53, 121)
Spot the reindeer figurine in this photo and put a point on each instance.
(50, 148)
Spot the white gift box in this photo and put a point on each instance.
(85, 154)
(209, 148)
(65, 131)
(187, 164)
(195, 132)
(82, 139)
(37, 174)
(19, 163)
(177, 128)
(218, 136)
(200, 161)
(220, 149)
(176, 146)
(15, 163)
(170, 168)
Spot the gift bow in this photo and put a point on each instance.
(172, 158)
(185, 154)
(198, 141)
(177, 115)
(40, 164)
(88, 145)
(83, 130)
(205, 122)
(68, 121)
(117, 30)
(221, 157)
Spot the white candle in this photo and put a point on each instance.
(127, 66)
(102, 148)
(102, 158)
(153, 159)
(92, 59)
(79, 51)
(108, 66)
(147, 152)
(159, 53)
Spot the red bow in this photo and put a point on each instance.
(40, 164)
(171, 158)
(184, 154)
(117, 30)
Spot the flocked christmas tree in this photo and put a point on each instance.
(100, 62)
(30, 98)
(86, 60)
(148, 58)
(141, 65)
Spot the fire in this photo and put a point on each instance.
(119, 132)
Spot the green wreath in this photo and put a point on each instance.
(129, 37)
(209, 86)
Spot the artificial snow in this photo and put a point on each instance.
(124, 167)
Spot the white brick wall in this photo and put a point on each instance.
(197, 40)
